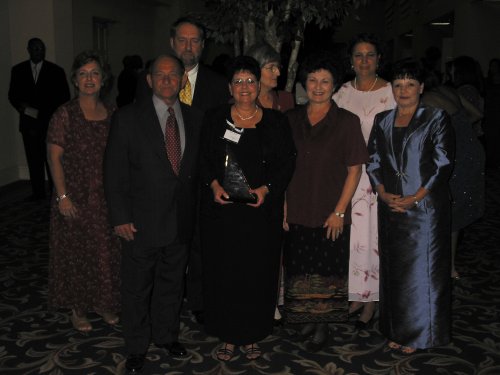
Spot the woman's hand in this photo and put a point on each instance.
(402, 204)
(67, 208)
(334, 225)
(388, 198)
(261, 193)
(219, 193)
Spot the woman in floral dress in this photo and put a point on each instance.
(84, 255)
(366, 95)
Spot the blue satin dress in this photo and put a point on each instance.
(415, 255)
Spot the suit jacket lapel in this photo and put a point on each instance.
(152, 128)
(189, 136)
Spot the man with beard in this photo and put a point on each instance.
(204, 89)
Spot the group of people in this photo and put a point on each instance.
(346, 199)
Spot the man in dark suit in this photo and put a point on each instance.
(150, 185)
(37, 88)
(204, 89)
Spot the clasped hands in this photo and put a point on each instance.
(398, 203)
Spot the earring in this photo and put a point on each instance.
(352, 67)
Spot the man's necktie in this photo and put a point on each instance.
(185, 94)
(173, 141)
(35, 73)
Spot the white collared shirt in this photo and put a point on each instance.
(192, 75)
(35, 70)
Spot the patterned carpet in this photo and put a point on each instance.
(36, 341)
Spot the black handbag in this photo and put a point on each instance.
(235, 183)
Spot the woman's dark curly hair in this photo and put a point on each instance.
(243, 63)
(365, 38)
(318, 61)
(408, 70)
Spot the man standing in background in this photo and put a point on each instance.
(37, 88)
(204, 89)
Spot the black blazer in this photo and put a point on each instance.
(139, 182)
(50, 91)
(211, 89)
(278, 155)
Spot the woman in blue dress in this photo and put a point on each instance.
(411, 151)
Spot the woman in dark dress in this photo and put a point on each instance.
(84, 255)
(411, 158)
(330, 152)
(241, 241)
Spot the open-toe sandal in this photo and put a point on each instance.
(407, 350)
(225, 354)
(394, 346)
(109, 317)
(252, 351)
(80, 323)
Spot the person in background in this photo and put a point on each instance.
(242, 242)
(270, 97)
(467, 78)
(411, 158)
(84, 255)
(467, 179)
(365, 96)
(330, 154)
(127, 80)
(270, 66)
(492, 114)
(203, 89)
(37, 87)
(150, 182)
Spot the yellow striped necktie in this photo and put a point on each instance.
(185, 94)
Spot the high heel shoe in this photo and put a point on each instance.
(362, 324)
(306, 331)
(319, 339)
(356, 311)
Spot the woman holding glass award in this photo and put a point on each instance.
(247, 159)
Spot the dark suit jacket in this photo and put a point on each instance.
(211, 89)
(139, 182)
(50, 91)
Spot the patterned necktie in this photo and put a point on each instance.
(173, 141)
(185, 94)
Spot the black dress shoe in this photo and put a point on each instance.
(199, 316)
(175, 349)
(278, 322)
(135, 363)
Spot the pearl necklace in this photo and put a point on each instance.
(246, 118)
(371, 88)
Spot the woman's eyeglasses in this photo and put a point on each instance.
(273, 68)
(240, 81)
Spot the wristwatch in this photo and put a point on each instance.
(61, 197)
